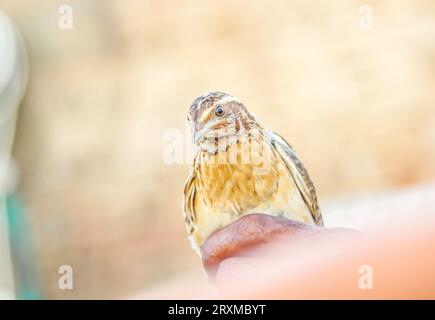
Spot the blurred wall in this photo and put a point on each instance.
(357, 104)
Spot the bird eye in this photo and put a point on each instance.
(219, 111)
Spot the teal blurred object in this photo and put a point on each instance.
(27, 283)
(15, 232)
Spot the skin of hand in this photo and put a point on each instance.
(263, 257)
(253, 233)
(288, 260)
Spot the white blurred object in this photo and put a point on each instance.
(6, 295)
(13, 78)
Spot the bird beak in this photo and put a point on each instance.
(196, 137)
(198, 134)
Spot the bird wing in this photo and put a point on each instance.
(189, 203)
(299, 173)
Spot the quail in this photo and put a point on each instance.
(241, 168)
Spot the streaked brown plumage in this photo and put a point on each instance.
(241, 168)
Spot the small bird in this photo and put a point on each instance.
(241, 168)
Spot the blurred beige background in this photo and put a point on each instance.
(357, 104)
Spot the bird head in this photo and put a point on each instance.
(215, 115)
